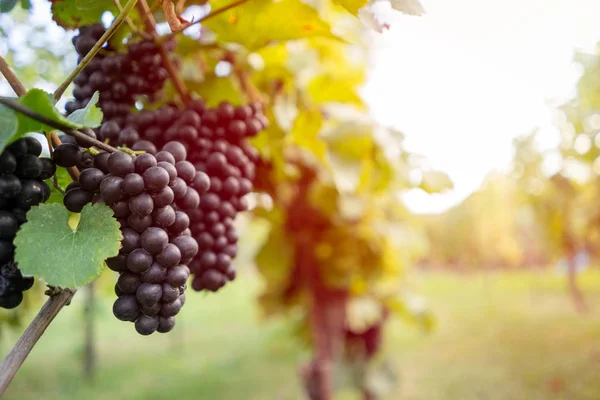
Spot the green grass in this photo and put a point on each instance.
(508, 336)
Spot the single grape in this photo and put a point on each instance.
(120, 163)
(154, 240)
(165, 324)
(146, 325)
(139, 260)
(177, 149)
(142, 204)
(155, 274)
(148, 293)
(170, 309)
(129, 282)
(139, 223)
(170, 256)
(76, 199)
(91, 179)
(155, 179)
(67, 155)
(10, 186)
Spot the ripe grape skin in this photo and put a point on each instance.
(170, 168)
(146, 325)
(155, 179)
(177, 276)
(67, 155)
(133, 184)
(170, 256)
(76, 199)
(154, 240)
(165, 324)
(143, 162)
(129, 282)
(148, 293)
(187, 246)
(126, 308)
(111, 188)
(142, 204)
(139, 261)
(120, 163)
(164, 198)
(91, 179)
(155, 274)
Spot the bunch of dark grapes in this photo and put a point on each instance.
(22, 186)
(118, 77)
(157, 243)
(216, 141)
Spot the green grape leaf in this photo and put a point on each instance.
(258, 23)
(90, 116)
(8, 126)
(7, 5)
(42, 103)
(72, 14)
(47, 247)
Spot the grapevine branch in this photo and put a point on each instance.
(150, 23)
(92, 53)
(29, 338)
(12, 79)
(56, 125)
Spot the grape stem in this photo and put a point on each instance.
(30, 337)
(12, 79)
(92, 53)
(56, 125)
(150, 23)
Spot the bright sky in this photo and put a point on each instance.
(462, 81)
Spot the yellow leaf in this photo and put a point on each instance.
(338, 86)
(305, 133)
(215, 90)
(275, 259)
(352, 5)
(435, 182)
(258, 23)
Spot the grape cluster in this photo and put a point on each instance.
(119, 78)
(216, 143)
(22, 186)
(144, 193)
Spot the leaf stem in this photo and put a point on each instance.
(150, 23)
(12, 79)
(210, 15)
(30, 337)
(92, 53)
(56, 125)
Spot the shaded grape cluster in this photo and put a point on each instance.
(22, 186)
(118, 77)
(143, 191)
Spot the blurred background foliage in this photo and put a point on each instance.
(331, 186)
